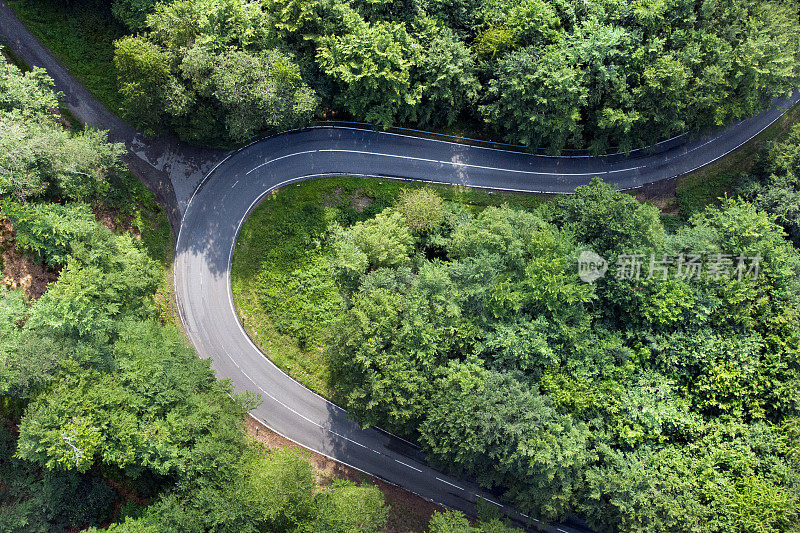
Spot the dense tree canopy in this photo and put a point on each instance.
(107, 416)
(661, 401)
(538, 72)
(210, 70)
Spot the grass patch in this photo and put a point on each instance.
(281, 287)
(706, 185)
(81, 34)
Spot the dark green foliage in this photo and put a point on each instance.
(133, 13)
(537, 72)
(639, 403)
(81, 34)
(32, 500)
(210, 71)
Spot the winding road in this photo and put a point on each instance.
(209, 195)
(221, 203)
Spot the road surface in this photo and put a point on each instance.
(218, 208)
(209, 208)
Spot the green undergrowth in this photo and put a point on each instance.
(135, 209)
(81, 35)
(280, 277)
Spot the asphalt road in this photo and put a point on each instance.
(218, 208)
(214, 205)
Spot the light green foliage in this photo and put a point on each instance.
(456, 522)
(37, 155)
(422, 209)
(31, 92)
(261, 89)
(50, 230)
(279, 488)
(135, 416)
(348, 508)
(450, 522)
(104, 281)
(301, 302)
(384, 241)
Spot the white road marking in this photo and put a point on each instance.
(490, 501)
(408, 465)
(448, 483)
(347, 439)
(443, 162)
(234, 184)
(482, 167)
(189, 204)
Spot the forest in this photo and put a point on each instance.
(108, 419)
(547, 74)
(657, 397)
(665, 401)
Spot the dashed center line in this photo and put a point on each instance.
(492, 502)
(408, 465)
(448, 483)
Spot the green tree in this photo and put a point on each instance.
(536, 98)
(372, 64)
(505, 434)
(49, 230)
(144, 81)
(422, 209)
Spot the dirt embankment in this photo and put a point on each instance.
(18, 270)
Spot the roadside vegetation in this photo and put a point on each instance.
(108, 419)
(706, 185)
(452, 316)
(81, 34)
(539, 73)
(282, 250)
(660, 403)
